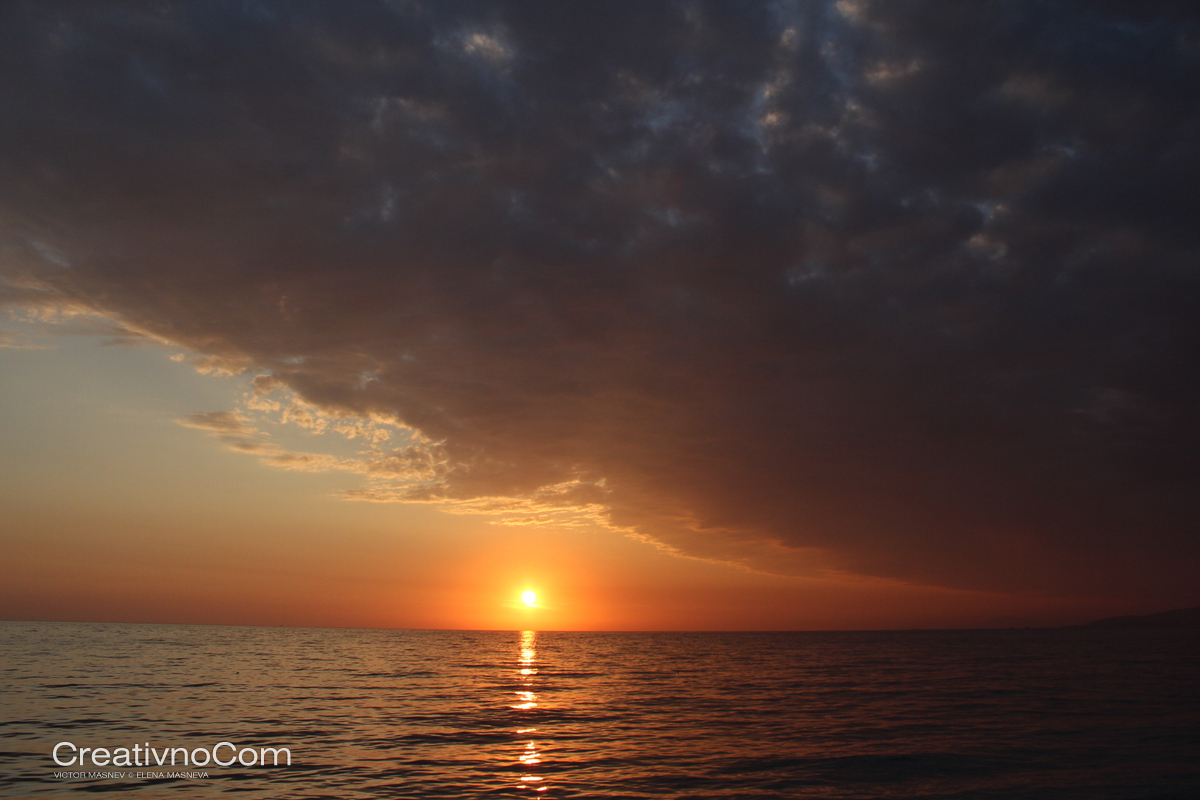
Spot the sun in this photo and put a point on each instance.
(529, 598)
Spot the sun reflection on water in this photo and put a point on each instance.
(530, 755)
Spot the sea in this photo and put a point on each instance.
(1067, 713)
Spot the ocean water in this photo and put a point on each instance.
(420, 714)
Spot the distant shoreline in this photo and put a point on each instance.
(1177, 618)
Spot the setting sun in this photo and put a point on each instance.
(529, 598)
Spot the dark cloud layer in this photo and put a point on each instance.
(909, 289)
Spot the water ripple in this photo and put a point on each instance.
(424, 714)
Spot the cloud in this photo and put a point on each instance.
(226, 423)
(43, 318)
(231, 428)
(905, 291)
(12, 341)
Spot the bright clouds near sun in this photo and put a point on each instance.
(820, 285)
(396, 463)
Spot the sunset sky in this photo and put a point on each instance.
(682, 315)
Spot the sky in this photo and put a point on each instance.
(683, 315)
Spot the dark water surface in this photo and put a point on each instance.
(375, 713)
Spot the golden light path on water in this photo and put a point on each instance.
(530, 756)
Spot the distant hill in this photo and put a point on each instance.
(1179, 618)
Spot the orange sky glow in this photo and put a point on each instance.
(119, 514)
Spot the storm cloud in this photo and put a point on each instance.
(896, 289)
